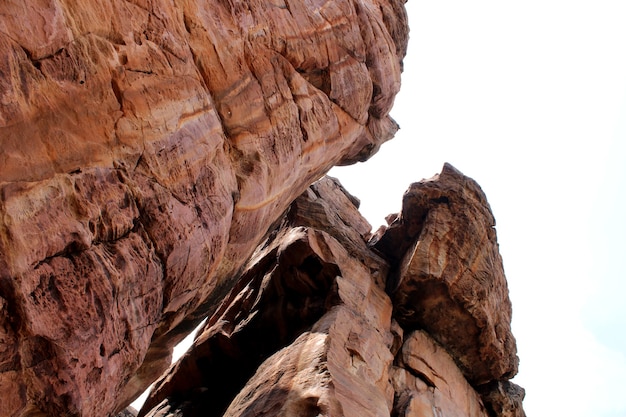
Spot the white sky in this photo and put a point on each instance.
(529, 99)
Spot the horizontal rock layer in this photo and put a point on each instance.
(147, 148)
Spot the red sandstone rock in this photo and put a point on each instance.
(503, 398)
(449, 277)
(428, 382)
(147, 147)
(307, 330)
(301, 284)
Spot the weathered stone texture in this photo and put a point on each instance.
(428, 382)
(155, 158)
(303, 291)
(147, 147)
(449, 279)
(503, 398)
(308, 330)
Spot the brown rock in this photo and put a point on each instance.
(147, 148)
(338, 368)
(151, 152)
(503, 398)
(127, 412)
(307, 330)
(428, 382)
(305, 292)
(449, 278)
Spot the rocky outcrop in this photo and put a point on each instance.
(147, 148)
(318, 324)
(428, 382)
(155, 161)
(444, 245)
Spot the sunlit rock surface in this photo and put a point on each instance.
(444, 245)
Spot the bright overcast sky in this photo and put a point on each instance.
(528, 98)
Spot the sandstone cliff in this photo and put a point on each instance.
(149, 146)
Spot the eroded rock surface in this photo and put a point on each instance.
(448, 277)
(428, 382)
(147, 148)
(305, 293)
(310, 330)
(155, 161)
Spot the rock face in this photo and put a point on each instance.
(156, 169)
(444, 243)
(147, 148)
(310, 330)
(428, 382)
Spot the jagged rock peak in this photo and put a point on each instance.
(449, 279)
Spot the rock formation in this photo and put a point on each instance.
(310, 330)
(153, 159)
(147, 147)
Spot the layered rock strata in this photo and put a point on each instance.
(147, 148)
(319, 323)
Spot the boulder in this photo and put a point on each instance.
(427, 382)
(307, 327)
(448, 277)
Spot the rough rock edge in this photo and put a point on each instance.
(443, 245)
